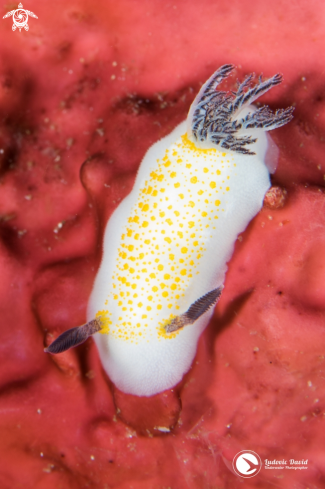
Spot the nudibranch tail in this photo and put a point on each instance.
(212, 116)
(74, 337)
(196, 310)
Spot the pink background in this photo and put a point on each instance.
(83, 95)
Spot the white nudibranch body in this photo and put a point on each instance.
(168, 243)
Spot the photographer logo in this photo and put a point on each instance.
(20, 18)
(247, 463)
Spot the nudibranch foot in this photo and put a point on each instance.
(74, 336)
(213, 115)
(196, 310)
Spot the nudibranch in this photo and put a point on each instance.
(167, 245)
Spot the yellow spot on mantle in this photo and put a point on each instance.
(105, 321)
(190, 145)
(162, 332)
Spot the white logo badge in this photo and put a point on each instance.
(247, 463)
(20, 18)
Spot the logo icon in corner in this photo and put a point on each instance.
(247, 463)
(20, 18)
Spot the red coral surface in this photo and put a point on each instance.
(83, 94)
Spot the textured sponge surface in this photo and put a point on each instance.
(83, 95)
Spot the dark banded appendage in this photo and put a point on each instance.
(74, 337)
(214, 116)
(195, 311)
